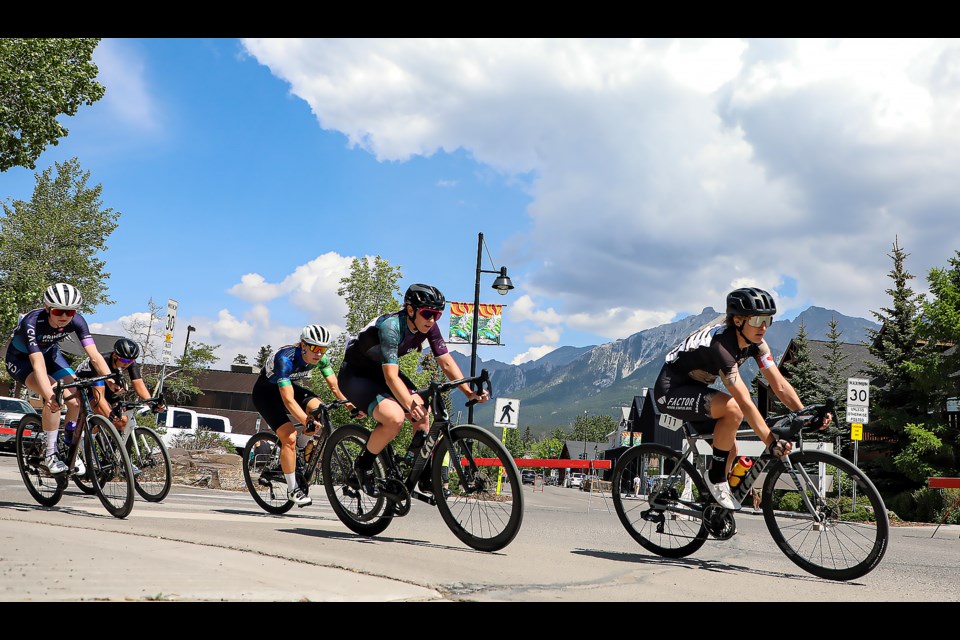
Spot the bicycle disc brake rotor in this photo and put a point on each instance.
(396, 492)
(719, 522)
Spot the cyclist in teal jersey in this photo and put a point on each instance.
(276, 394)
(370, 373)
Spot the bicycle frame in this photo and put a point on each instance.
(81, 385)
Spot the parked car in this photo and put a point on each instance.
(527, 476)
(11, 410)
(574, 480)
(180, 420)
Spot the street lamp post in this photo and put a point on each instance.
(186, 342)
(502, 284)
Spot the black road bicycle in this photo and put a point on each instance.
(484, 508)
(106, 460)
(152, 471)
(261, 462)
(806, 501)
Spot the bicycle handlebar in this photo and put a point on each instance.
(123, 405)
(809, 418)
(476, 382)
(332, 405)
(84, 383)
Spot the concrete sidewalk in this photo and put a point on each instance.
(62, 564)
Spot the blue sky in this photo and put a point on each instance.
(624, 183)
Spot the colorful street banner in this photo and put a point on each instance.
(625, 438)
(488, 326)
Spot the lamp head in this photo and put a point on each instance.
(503, 284)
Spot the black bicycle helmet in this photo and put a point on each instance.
(126, 348)
(750, 301)
(424, 296)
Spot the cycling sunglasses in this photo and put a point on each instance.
(315, 348)
(760, 321)
(125, 360)
(63, 312)
(430, 314)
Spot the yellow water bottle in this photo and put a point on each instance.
(739, 470)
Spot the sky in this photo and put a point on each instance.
(623, 183)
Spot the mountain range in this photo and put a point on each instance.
(596, 380)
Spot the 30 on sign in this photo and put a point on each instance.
(858, 392)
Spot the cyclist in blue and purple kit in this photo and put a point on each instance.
(35, 360)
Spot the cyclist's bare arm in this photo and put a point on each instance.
(782, 388)
(335, 388)
(290, 402)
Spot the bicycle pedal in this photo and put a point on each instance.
(425, 497)
(263, 482)
(350, 492)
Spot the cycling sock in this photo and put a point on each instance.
(291, 480)
(365, 461)
(51, 442)
(718, 466)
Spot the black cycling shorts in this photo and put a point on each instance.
(267, 400)
(682, 397)
(366, 388)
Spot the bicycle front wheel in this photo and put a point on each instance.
(152, 472)
(647, 516)
(360, 512)
(816, 525)
(108, 466)
(262, 473)
(81, 480)
(485, 506)
(31, 449)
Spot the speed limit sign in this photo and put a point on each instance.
(858, 400)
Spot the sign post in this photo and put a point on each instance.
(858, 414)
(166, 357)
(505, 415)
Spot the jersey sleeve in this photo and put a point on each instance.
(726, 363)
(390, 336)
(764, 356)
(326, 369)
(437, 344)
(282, 368)
(82, 330)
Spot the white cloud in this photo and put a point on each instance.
(660, 172)
(123, 72)
(533, 353)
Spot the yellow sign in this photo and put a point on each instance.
(169, 337)
(856, 431)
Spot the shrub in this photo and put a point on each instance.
(203, 440)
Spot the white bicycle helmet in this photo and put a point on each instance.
(62, 296)
(316, 335)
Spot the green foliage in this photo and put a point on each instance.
(804, 375)
(263, 355)
(369, 291)
(595, 428)
(920, 445)
(894, 398)
(55, 237)
(834, 381)
(240, 359)
(42, 79)
(203, 440)
(180, 380)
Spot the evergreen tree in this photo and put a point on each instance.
(262, 356)
(834, 382)
(894, 400)
(240, 359)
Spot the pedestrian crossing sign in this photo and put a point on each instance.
(506, 412)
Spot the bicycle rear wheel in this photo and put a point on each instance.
(647, 517)
(152, 473)
(30, 446)
(362, 513)
(262, 473)
(833, 541)
(484, 511)
(108, 466)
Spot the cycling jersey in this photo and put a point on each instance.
(287, 365)
(387, 338)
(34, 334)
(682, 389)
(381, 342)
(714, 351)
(85, 370)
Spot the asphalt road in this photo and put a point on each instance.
(203, 545)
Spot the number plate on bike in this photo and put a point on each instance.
(669, 422)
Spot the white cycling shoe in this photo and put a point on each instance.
(81, 468)
(722, 494)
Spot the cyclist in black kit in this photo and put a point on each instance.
(370, 373)
(683, 387)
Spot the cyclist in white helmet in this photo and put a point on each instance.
(276, 394)
(35, 360)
